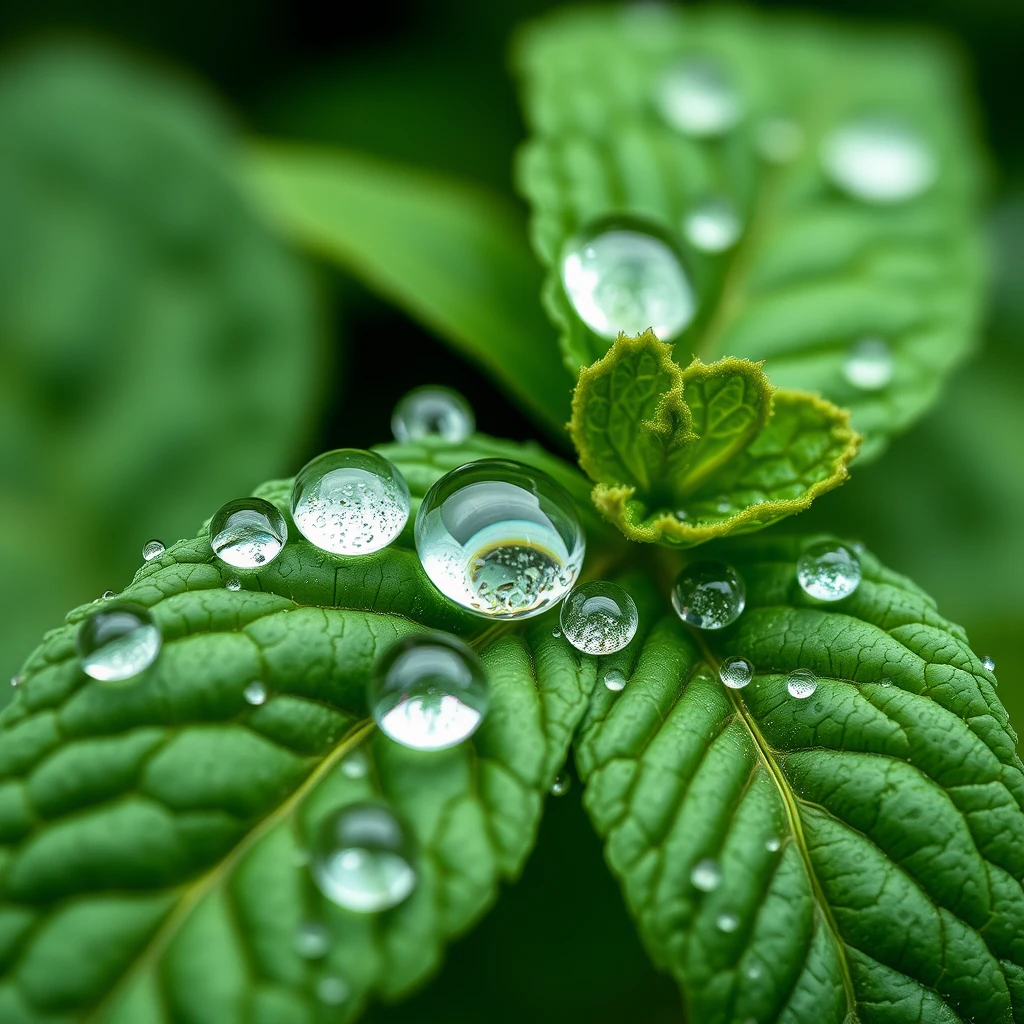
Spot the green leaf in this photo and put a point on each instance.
(452, 255)
(682, 456)
(870, 837)
(814, 270)
(159, 350)
(153, 835)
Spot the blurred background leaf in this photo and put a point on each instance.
(159, 351)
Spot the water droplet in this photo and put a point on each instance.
(754, 972)
(433, 411)
(332, 990)
(356, 765)
(350, 502)
(118, 642)
(736, 672)
(624, 276)
(562, 784)
(614, 679)
(879, 159)
(248, 533)
(429, 692)
(706, 875)
(988, 663)
(682, 514)
(15, 680)
(152, 549)
(869, 364)
(709, 595)
(828, 571)
(801, 683)
(312, 940)
(599, 618)
(233, 583)
(727, 922)
(362, 859)
(713, 225)
(108, 594)
(500, 539)
(556, 633)
(698, 96)
(779, 139)
(255, 693)
(773, 844)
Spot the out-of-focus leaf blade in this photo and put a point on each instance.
(814, 271)
(452, 255)
(853, 855)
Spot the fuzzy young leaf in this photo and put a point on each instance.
(153, 836)
(814, 270)
(682, 456)
(854, 855)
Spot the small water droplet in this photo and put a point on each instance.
(706, 875)
(108, 594)
(801, 683)
(779, 139)
(988, 663)
(727, 922)
(682, 514)
(614, 679)
(248, 533)
(697, 96)
(736, 672)
(429, 692)
(312, 940)
(500, 539)
(828, 571)
(350, 502)
(754, 972)
(152, 549)
(332, 990)
(773, 844)
(869, 364)
(878, 159)
(255, 693)
(709, 595)
(624, 275)
(356, 765)
(556, 633)
(118, 642)
(885, 683)
(233, 583)
(362, 859)
(599, 618)
(562, 784)
(713, 225)
(15, 680)
(433, 411)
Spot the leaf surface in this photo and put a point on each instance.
(154, 835)
(869, 837)
(814, 270)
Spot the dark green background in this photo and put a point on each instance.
(426, 83)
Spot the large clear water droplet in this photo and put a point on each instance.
(801, 683)
(625, 276)
(599, 618)
(433, 411)
(869, 364)
(118, 642)
(736, 672)
(500, 539)
(248, 533)
(713, 225)
(828, 571)
(429, 692)
(562, 784)
(312, 940)
(698, 96)
(362, 859)
(709, 595)
(779, 139)
(614, 679)
(350, 502)
(878, 159)
(255, 693)
(706, 875)
(152, 549)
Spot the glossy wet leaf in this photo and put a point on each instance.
(868, 836)
(450, 254)
(813, 271)
(682, 456)
(158, 349)
(154, 836)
